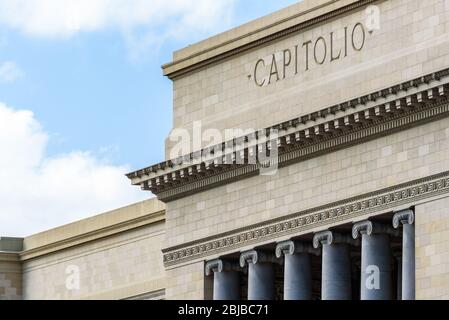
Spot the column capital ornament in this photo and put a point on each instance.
(330, 237)
(219, 265)
(256, 256)
(371, 227)
(403, 217)
(291, 247)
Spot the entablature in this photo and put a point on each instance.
(332, 128)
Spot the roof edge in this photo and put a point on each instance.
(100, 226)
(256, 33)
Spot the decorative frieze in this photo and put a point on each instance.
(301, 222)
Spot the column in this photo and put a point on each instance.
(297, 269)
(336, 265)
(376, 270)
(406, 218)
(226, 279)
(260, 274)
(398, 257)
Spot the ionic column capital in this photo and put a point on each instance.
(256, 256)
(371, 227)
(219, 265)
(403, 217)
(330, 237)
(291, 247)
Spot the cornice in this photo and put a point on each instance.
(6, 256)
(305, 221)
(93, 235)
(203, 58)
(378, 113)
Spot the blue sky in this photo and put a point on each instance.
(97, 96)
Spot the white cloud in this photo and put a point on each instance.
(142, 22)
(10, 72)
(39, 192)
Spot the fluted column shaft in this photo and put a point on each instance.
(336, 266)
(407, 219)
(226, 280)
(297, 269)
(261, 274)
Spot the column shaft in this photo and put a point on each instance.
(399, 281)
(336, 272)
(408, 262)
(226, 285)
(261, 281)
(376, 279)
(298, 277)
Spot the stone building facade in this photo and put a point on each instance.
(344, 106)
(115, 255)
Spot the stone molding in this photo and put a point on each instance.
(153, 289)
(380, 201)
(10, 263)
(92, 235)
(9, 257)
(201, 59)
(368, 117)
(156, 295)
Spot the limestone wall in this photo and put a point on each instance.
(10, 276)
(432, 250)
(371, 166)
(413, 40)
(188, 282)
(112, 256)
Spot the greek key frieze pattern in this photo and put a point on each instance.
(309, 219)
